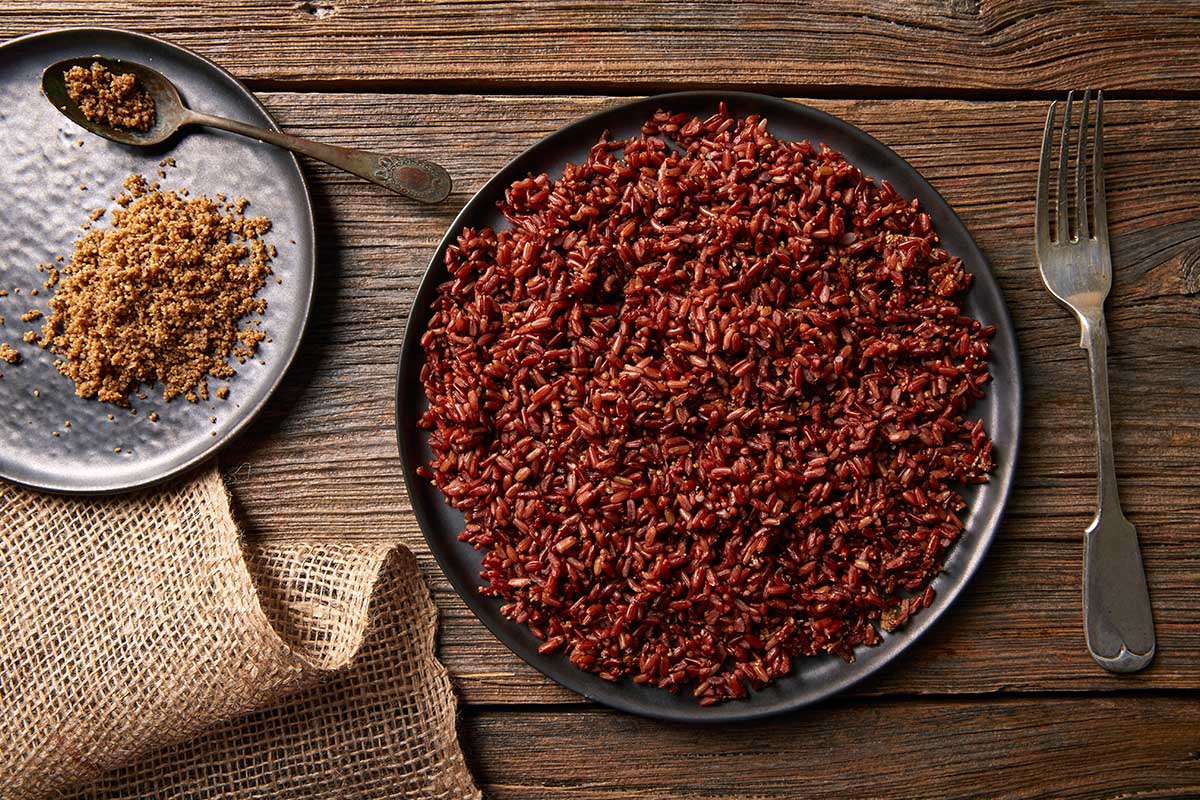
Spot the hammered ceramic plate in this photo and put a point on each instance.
(812, 679)
(47, 161)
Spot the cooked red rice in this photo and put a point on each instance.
(702, 405)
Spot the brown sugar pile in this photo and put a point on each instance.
(111, 99)
(159, 296)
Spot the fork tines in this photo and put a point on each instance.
(1086, 225)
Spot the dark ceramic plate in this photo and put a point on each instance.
(46, 159)
(813, 678)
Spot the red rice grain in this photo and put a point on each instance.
(702, 405)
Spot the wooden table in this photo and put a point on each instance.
(1001, 699)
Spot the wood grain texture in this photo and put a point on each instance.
(855, 46)
(1000, 699)
(1087, 748)
(323, 461)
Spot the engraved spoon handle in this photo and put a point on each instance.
(417, 178)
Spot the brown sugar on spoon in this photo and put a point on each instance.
(109, 98)
(161, 295)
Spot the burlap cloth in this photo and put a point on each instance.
(146, 651)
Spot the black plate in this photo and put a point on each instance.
(42, 166)
(813, 678)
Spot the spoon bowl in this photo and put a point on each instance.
(417, 178)
(170, 112)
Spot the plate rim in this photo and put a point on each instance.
(612, 694)
(249, 416)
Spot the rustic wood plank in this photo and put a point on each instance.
(324, 459)
(1093, 748)
(915, 46)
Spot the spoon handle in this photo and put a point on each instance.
(412, 177)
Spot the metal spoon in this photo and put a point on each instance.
(412, 177)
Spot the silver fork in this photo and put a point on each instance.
(1077, 269)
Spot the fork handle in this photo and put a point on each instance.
(1118, 619)
(1095, 341)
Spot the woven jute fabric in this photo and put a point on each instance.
(146, 651)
